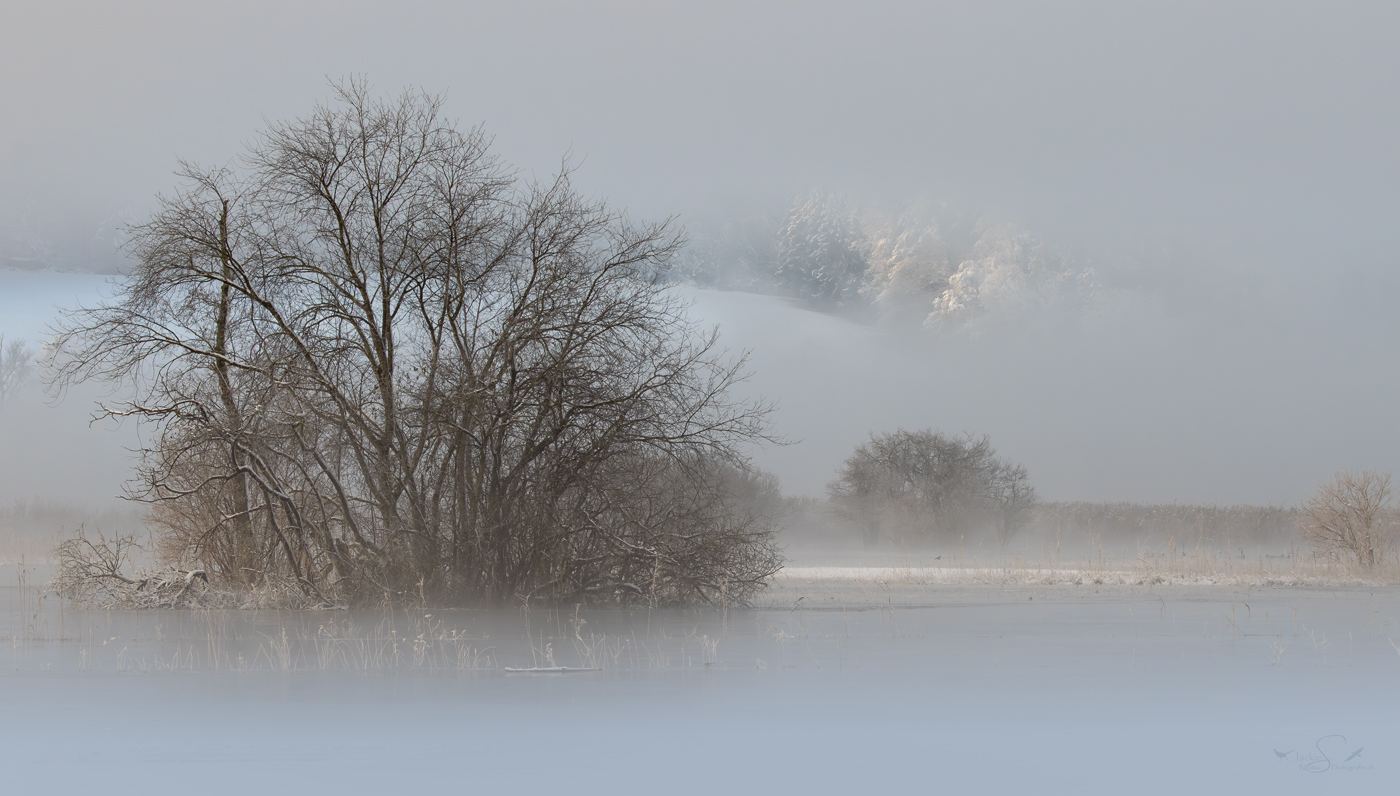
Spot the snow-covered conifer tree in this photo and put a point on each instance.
(822, 251)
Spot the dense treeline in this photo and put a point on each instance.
(1043, 524)
(1184, 524)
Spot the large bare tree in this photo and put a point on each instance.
(379, 361)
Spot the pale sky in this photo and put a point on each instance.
(1096, 116)
(1258, 139)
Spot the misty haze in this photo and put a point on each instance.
(730, 397)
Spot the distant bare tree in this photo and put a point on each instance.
(924, 485)
(16, 366)
(1011, 497)
(378, 362)
(1350, 517)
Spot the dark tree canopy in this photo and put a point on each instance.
(924, 486)
(377, 361)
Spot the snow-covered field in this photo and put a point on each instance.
(911, 585)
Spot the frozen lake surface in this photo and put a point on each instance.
(979, 690)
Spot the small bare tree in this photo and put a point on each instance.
(1011, 497)
(1349, 518)
(919, 486)
(16, 365)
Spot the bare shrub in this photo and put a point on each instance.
(98, 573)
(90, 573)
(1350, 518)
(88, 570)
